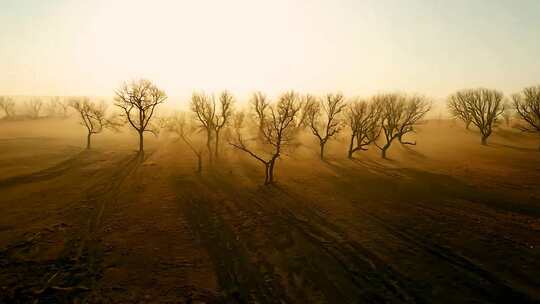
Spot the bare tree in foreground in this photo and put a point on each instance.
(399, 115)
(33, 107)
(278, 124)
(180, 125)
(363, 118)
(457, 106)
(138, 101)
(527, 106)
(484, 106)
(92, 116)
(8, 106)
(323, 117)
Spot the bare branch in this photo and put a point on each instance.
(482, 106)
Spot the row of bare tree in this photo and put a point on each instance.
(485, 107)
(272, 128)
(269, 129)
(35, 108)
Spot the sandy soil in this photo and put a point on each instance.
(446, 221)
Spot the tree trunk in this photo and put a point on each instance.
(141, 142)
(209, 145)
(485, 137)
(217, 145)
(467, 125)
(484, 140)
(322, 150)
(88, 145)
(199, 163)
(383, 150)
(266, 174)
(270, 172)
(349, 155)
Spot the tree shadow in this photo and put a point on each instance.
(47, 173)
(524, 149)
(414, 152)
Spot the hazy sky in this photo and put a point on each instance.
(76, 47)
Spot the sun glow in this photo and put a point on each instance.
(67, 47)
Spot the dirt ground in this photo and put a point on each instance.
(445, 221)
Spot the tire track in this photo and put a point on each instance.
(76, 270)
(501, 288)
(44, 174)
(364, 276)
(240, 279)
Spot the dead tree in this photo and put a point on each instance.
(8, 106)
(92, 116)
(363, 118)
(213, 118)
(457, 105)
(416, 107)
(221, 119)
(61, 106)
(484, 106)
(399, 115)
(205, 111)
(279, 124)
(138, 100)
(260, 104)
(180, 125)
(51, 108)
(323, 117)
(527, 106)
(33, 108)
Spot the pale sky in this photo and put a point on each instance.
(358, 47)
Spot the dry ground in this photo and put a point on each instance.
(446, 221)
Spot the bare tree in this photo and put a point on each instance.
(92, 116)
(323, 117)
(484, 106)
(180, 125)
(8, 106)
(138, 100)
(212, 117)
(62, 106)
(260, 103)
(222, 118)
(33, 107)
(527, 106)
(363, 118)
(457, 104)
(279, 124)
(51, 108)
(399, 115)
(205, 111)
(416, 107)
